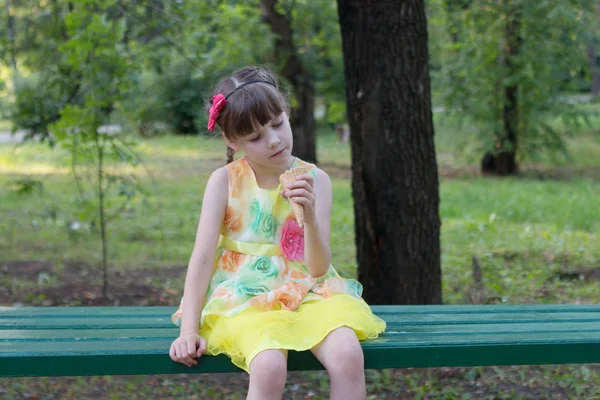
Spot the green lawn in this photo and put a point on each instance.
(536, 238)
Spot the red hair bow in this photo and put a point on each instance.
(218, 103)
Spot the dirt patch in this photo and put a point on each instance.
(34, 283)
(578, 274)
(336, 170)
(561, 173)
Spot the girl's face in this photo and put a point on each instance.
(270, 145)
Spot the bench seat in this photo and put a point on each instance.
(77, 341)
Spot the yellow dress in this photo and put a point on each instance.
(261, 295)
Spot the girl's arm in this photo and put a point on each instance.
(189, 345)
(201, 262)
(316, 197)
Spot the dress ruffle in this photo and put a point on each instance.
(248, 333)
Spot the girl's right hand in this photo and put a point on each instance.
(186, 348)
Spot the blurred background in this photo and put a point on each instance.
(104, 156)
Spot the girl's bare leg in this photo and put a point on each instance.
(268, 373)
(341, 354)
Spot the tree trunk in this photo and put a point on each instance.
(101, 208)
(302, 118)
(394, 168)
(507, 147)
(593, 60)
(11, 37)
(454, 11)
(503, 160)
(594, 69)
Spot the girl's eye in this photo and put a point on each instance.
(254, 139)
(278, 124)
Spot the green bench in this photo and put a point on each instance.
(74, 341)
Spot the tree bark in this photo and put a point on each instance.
(593, 60)
(507, 146)
(11, 36)
(394, 168)
(594, 69)
(503, 161)
(302, 118)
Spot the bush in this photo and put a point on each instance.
(38, 99)
(175, 98)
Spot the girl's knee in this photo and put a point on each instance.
(269, 369)
(349, 360)
(346, 358)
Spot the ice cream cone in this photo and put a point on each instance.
(285, 179)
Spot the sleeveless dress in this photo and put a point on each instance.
(261, 295)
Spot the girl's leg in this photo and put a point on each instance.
(268, 373)
(342, 356)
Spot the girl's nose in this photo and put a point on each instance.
(273, 139)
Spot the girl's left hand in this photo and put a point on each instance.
(302, 192)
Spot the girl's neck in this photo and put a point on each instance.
(267, 177)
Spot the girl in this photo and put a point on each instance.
(258, 284)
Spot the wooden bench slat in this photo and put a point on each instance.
(392, 329)
(100, 312)
(375, 357)
(487, 309)
(124, 322)
(160, 344)
(471, 329)
(494, 318)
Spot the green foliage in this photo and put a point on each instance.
(195, 45)
(318, 40)
(174, 51)
(175, 97)
(96, 54)
(27, 186)
(34, 104)
(476, 67)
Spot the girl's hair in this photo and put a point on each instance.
(251, 106)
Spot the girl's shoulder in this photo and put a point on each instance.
(219, 178)
(216, 190)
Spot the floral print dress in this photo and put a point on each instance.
(260, 258)
(261, 295)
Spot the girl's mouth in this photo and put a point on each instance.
(278, 153)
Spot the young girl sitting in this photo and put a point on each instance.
(258, 284)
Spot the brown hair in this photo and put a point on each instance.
(251, 106)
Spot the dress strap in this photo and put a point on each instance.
(253, 249)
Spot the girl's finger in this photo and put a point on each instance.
(302, 181)
(201, 347)
(185, 358)
(298, 193)
(177, 351)
(302, 200)
(191, 348)
(306, 177)
(172, 353)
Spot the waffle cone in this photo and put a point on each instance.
(285, 179)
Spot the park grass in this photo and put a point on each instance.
(5, 125)
(536, 238)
